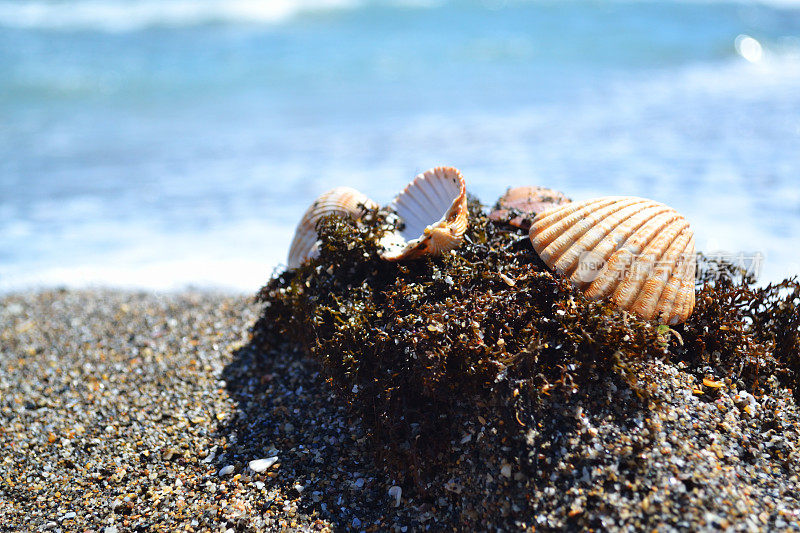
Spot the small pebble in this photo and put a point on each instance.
(260, 465)
(226, 470)
(396, 493)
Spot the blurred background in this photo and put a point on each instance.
(165, 143)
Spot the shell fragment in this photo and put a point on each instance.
(344, 201)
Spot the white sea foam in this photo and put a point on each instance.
(239, 258)
(120, 16)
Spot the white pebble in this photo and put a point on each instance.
(396, 493)
(226, 471)
(211, 455)
(259, 465)
(505, 470)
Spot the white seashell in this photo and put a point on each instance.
(636, 252)
(344, 201)
(433, 212)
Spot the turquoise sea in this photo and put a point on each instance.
(164, 143)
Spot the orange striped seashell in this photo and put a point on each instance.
(344, 201)
(636, 252)
(433, 214)
(529, 201)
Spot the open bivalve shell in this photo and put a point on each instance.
(526, 202)
(636, 252)
(433, 215)
(344, 201)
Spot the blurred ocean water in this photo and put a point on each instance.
(166, 143)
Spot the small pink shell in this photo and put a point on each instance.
(636, 252)
(343, 201)
(433, 210)
(529, 201)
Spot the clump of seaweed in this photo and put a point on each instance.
(747, 333)
(413, 346)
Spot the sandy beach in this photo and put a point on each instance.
(128, 411)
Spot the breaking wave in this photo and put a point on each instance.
(119, 16)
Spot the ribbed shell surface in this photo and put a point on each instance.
(433, 211)
(344, 201)
(636, 252)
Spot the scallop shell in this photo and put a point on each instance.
(344, 201)
(636, 252)
(433, 212)
(529, 201)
